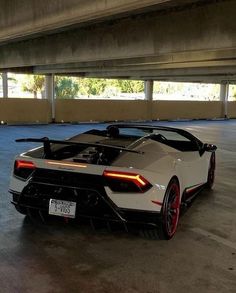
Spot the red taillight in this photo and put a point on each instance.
(23, 169)
(19, 164)
(135, 182)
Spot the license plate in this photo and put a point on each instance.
(62, 208)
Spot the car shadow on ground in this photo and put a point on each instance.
(81, 227)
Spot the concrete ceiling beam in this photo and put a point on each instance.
(29, 18)
(192, 42)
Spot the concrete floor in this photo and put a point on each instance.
(68, 258)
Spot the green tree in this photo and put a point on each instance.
(131, 86)
(95, 86)
(91, 86)
(33, 84)
(66, 87)
(232, 92)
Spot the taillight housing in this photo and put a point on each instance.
(23, 169)
(126, 182)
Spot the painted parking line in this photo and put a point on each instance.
(214, 237)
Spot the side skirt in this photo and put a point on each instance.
(191, 192)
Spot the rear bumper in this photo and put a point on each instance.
(87, 190)
(106, 211)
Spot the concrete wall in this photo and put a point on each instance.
(85, 110)
(186, 109)
(100, 110)
(232, 109)
(38, 111)
(24, 110)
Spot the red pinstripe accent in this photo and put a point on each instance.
(190, 189)
(157, 202)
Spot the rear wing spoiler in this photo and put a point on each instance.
(47, 145)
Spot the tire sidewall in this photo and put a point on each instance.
(165, 232)
(212, 167)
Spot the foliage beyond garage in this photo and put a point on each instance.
(20, 85)
(72, 87)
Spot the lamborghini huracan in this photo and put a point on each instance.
(127, 173)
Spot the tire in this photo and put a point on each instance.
(169, 214)
(211, 172)
(170, 211)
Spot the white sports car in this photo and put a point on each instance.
(128, 173)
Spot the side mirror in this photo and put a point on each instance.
(209, 147)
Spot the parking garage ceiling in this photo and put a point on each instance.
(161, 40)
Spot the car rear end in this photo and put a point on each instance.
(74, 190)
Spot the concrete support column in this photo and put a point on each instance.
(148, 87)
(5, 84)
(224, 94)
(50, 93)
